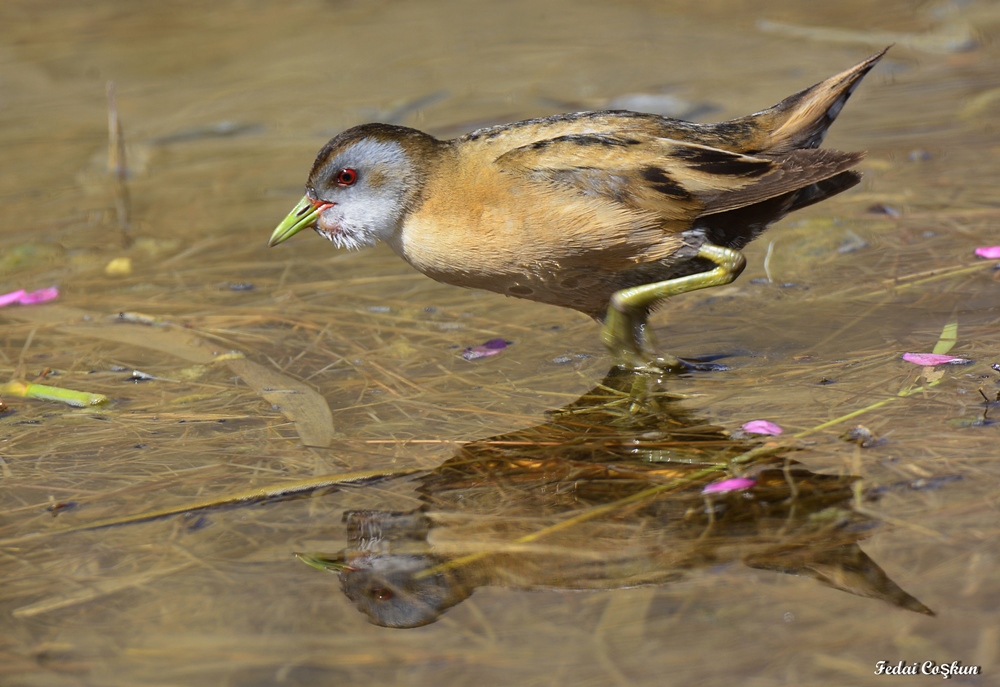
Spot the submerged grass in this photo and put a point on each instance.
(199, 436)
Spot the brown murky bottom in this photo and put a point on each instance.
(352, 395)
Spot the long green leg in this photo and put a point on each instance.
(626, 333)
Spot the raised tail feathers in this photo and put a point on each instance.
(801, 120)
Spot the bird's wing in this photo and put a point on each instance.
(675, 180)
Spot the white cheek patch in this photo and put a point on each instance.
(348, 240)
(344, 233)
(365, 213)
(371, 218)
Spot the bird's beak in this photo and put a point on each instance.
(302, 216)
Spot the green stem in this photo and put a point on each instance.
(77, 399)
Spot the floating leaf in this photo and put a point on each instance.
(294, 399)
(733, 484)
(930, 359)
(949, 337)
(119, 267)
(297, 401)
(761, 427)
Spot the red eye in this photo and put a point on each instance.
(381, 594)
(346, 177)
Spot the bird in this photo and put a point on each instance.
(607, 212)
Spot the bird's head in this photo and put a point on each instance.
(362, 185)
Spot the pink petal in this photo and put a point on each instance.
(934, 359)
(477, 352)
(988, 252)
(733, 484)
(39, 296)
(762, 427)
(12, 297)
(491, 347)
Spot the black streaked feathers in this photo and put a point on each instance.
(661, 182)
(716, 161)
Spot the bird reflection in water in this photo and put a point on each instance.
(605, 495)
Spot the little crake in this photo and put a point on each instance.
(604, 212)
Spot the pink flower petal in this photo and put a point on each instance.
(39, 296)
(732, 484)
(761, 427)
(934, 359)
(491, 347)
(477, 352)
(12, 297)
(498, 344)
(988, 252)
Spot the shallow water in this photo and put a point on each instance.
(222, 111)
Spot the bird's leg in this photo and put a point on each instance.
(626, 332)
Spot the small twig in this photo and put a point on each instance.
(19, 369)
(117, 166)
(897, 522)
(911, 280)
(987, 403)
(251, 496)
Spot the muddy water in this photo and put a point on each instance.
(222, 111)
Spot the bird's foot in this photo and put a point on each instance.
(669, 364)
(626, 332)
(637, 352)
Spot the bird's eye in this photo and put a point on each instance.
(381, 594)
(346, 177)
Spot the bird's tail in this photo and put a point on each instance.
(801, 120)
